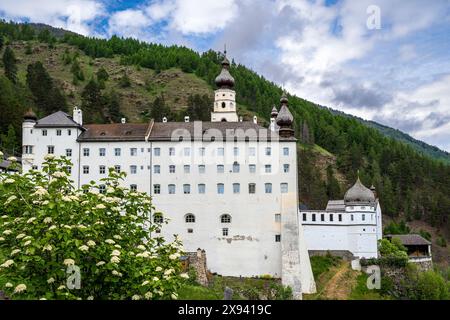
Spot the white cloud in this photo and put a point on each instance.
(129, 23)
(73, 15)
(194, 16)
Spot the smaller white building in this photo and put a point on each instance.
(350, 226)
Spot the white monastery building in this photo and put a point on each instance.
(227, 186)
(346, 227)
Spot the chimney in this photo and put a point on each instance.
(164, 120)
(77, 116)
(186, 119)
(255, 120)
(124, 120)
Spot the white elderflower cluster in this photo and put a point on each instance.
(84, 248)
(110, 241)
(59, 174)
(47, 220)
(91, 243)
(115, 259)
(20, 288)
(100, 263)
(47, 248)
(174, 256)
(7, 232)
(12, 159)
(7, 264)
(31, 220)
(9, 181)
(116, 273)
(100, 206)
(10, 199)
(69, 262)
(40, 192)
(15, 251)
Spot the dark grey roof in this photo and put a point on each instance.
(335, 205)
(199, 130)
(114, 132)
(410, 239)
(57, 120)
(4, 164)
(359, 194)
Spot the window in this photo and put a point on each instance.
(133, 169)
(133, 187)
(157, 189)
(149, 150)
(322, 217)
(268, 168)
(352, 217)
(44, 132)
(58, 132)
(363, 217)
(278, 238)
(69, 170)
(171, 189)
(117, 169)
(285, 151)
(172, 169)
(187, 189)
(340, 217)
(157, 152)
(285, 168)
(220, 168)
(187, 169)
(251, 188)
(220, 188)
(157, 169)
(102, 189)
(85, 169)
(304, 217)
(69, 132)
(190, 230)
(86, 152)
(117, 152)
(277, 217)
(28, 149)
(252, 168)
(268, 187)
(225, 218)
(201, 152)
(313, 217)
(268, 151)
(284, 188)
(133, 152)
(158, 218)
(68, 152)
(187, 152)
(331, 217)
(225, 232)
(236, 167)
(50, 149)
(34, 167)
(201, 168)
(158, 231)
(220, 151)
(236, 188)
(201, 188)
(252, 151)
(363, 208)
(102, 152)
(171, 151)
(142, 150)
(189, 218)
(102, 169)
(235, 151)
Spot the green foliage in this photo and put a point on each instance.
(78, 74)
(428, 285)
(399, 261)
(28, 49)
(321, 264)
(48, 226)
(102, 75)
(397, 228)
(124, 81)
(8, 142)
(392, 248)
(47, 97)
(441, 241)
(361, 292)
(425, 234)
(10, 64)
(333, 188)
(199, 107)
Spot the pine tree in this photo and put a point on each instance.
(10, 64)
(9, 141)
(333, 188)
(125, 81)
(93, 102)
(158, 109)
(2, 42)
(77, 72)
(113, 104)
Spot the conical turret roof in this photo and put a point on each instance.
(359, 193)
(225, 79)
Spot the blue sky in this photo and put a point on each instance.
(397, 74)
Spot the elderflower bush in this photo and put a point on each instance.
(46, 226)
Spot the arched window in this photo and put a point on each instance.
(158, 218)
(224, 120)
(223, 105)
(189, 218)
(225, 218)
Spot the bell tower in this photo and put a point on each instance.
(224, 96)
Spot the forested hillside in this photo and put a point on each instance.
(116, 77)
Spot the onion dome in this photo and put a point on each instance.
(359, 194)
(274, 112)
(225, 79)
(284, 118)
(30, 115)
